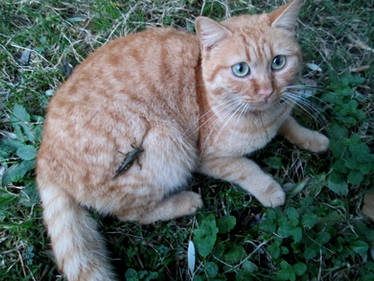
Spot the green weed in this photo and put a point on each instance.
(320, 233)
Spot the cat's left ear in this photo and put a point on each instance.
(285, 17)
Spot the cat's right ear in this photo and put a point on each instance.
(285, 16)
(210, 32)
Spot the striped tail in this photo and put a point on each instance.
(78, 247)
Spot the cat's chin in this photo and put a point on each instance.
(261, 106)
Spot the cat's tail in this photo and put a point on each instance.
(78, 247)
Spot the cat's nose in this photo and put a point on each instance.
(265, 93)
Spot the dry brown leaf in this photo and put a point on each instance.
(360, 68)
(360, 44)
(368, 207)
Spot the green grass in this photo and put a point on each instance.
(320, 233)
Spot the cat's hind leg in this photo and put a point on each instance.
(177, 205)
(153, 192)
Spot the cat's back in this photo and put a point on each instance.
(135, 84)
(148, 63)
(149, 74)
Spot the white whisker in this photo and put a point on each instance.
(296, 101)
(306, 106)
(263, 126)
(240, 106)
(219, 108)
(214, 125)
(301, 87)
(218, 121)
(308, 103)
(300, 94)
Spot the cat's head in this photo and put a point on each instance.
(249, 59)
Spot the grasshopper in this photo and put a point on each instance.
(129, 159)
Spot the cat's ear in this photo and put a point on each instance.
(210, 32)
(285, 17)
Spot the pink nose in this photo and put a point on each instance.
(266, 93)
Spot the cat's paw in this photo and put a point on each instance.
(273, 195)
(317, 143)
(188, 202)
(195, 202)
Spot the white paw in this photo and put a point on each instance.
(318, 143)
(186, 203)
(272, 196)
(194, 201)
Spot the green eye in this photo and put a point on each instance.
(278, 62)
(240, 69)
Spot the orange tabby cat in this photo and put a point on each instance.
(180, 103)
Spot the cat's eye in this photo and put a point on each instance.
(278, 62)
(240, 69)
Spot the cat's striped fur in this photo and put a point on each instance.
(174, 93)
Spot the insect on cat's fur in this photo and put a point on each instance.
(201, 102)
(129, 159)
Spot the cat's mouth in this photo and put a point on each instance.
(261, 104)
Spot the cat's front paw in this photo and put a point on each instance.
(273, 195)
(317, 143)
